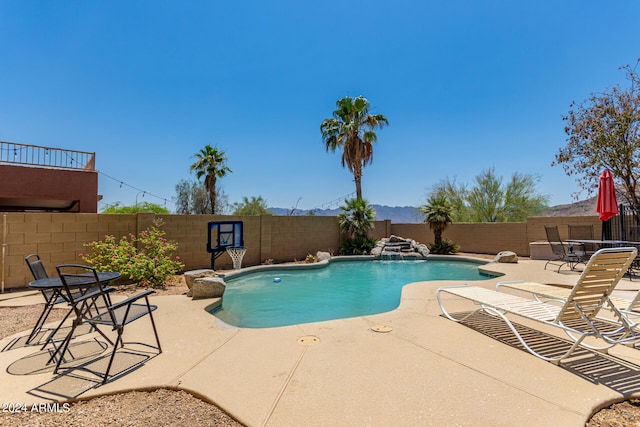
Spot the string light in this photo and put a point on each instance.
(335, 202)
(134, 188)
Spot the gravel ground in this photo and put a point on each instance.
(160, 407)
(164, 407)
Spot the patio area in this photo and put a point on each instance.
(423, 370)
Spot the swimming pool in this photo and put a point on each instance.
(280, 297)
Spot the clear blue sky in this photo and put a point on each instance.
(466, 85)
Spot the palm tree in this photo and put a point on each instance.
(356, 218)
(352, 129)
(438, 214)
(212, 164)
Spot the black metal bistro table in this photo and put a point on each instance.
(605, 243)
(81, 283)
(78, 281)
(614, 244)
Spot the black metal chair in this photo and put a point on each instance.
(95, 308)
(51, 297)
(564, 254)
(583, 232)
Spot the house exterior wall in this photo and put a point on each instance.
(37, 183)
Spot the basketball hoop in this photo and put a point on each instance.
(236, 253)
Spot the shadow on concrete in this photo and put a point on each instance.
(76, 377)
(43, 336)
(599, 368)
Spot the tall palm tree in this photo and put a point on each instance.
(352, 129)
(212, 164)
(438, 214)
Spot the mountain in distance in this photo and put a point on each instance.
(411, 214)
(397, 214)
(581, 208)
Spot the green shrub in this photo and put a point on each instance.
(444, 247)
(360, 245)
(146, 258)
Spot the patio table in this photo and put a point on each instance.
(81, 283)
(603, 243)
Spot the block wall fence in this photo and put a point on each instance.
(60, 237)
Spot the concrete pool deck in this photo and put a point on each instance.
(426, 370)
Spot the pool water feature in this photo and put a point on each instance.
(281, 297)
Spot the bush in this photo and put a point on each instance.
(146, 258)
(361, 245)
(444, 247)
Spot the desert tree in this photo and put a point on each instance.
(251, 206)
(119, 208)
(604, 133)
(193, 198)
(489, 199)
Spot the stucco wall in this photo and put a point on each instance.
(30, 183)
(59, 237)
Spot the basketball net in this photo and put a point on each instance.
(236, 253)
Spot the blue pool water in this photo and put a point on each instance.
(341, 290)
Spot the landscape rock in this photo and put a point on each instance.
(208, 287)
(400, 247)
(422, 249)
(321, 256)
(191, 276)
(506, 257)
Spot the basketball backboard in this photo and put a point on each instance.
(223, 234)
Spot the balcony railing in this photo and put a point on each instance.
(46, 157)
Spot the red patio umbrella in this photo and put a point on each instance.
(607, 204)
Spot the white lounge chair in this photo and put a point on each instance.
(577, 315)
(544, 293)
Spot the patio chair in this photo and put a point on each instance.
(583, 232)
(51, 297)
(558, 293)
(577, 315)
(96, 309)
(564, 254)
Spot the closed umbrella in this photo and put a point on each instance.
(607, 204)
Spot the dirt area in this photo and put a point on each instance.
(623, 414)
(165, 407)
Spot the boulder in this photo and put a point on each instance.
(191, 276)
(422, 249)
(321, 256)
(506, 257)
(395, 246)
(208, 287)
(377, 250)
